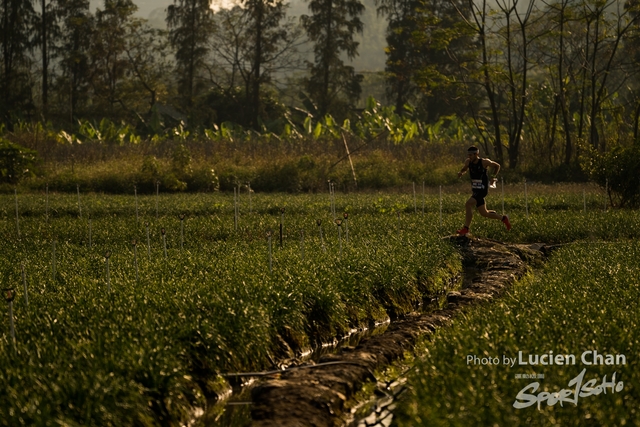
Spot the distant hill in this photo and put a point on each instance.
(372, 41)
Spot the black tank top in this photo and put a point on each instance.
(478, 173)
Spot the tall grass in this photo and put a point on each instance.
(147, 352)
(585, 299)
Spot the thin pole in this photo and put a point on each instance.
(281, 225)
(148, 241)
(502, 185)
(415, 205)
(164, 243)
(24, 284)
(235, 208)
(182, 233)
(11, 324)
(330, 198)
(270, 256)
(422, 198)
(135, 258)
(319, 222)
(17, 221)
(53, 261)
(238, 205)
(46, 201)
(346, 226)
(441, 206)
(526, 199)
(135, 193)
(79, 208)
(106, 256)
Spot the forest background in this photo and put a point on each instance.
(277, 96)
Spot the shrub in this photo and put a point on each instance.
(16, 162)
(283, 177)
(618, 170)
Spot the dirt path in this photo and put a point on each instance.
(317, 396)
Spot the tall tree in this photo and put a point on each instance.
(266, 39)
(46, 31)
(149, 63)
(108, 51)
(333, 86)
(517, 41)
(402, 62)
(480, 22)
(559, 13)
(631, 51)
(72, 50)
(190, 23)
(15, 29)
(252, 46)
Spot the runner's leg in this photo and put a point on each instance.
(482, 210)
(471, 203)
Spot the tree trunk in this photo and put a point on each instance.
(635, 125)
(45, 64)
(326, 78)
(257, 65)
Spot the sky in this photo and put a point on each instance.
(372, 41)
(148, 6)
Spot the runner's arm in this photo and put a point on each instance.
(487, 163)
(464, 169)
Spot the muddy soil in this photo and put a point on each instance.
(317, 396)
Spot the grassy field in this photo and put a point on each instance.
(146, 350)
(584, 300)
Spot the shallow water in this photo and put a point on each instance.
(235, 410)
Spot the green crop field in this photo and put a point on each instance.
(120, 350)
(584, 300)
(144, 343)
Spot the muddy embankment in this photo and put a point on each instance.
(317, 396)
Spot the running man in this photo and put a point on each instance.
(480, 187)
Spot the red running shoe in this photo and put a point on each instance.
(464, 230)
(505, 220)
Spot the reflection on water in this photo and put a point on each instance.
(236, 410)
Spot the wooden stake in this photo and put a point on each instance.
(353, 170)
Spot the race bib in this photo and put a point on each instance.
(476, 184)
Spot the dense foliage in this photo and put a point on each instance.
(528, 78)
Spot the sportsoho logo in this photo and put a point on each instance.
(577, 387)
